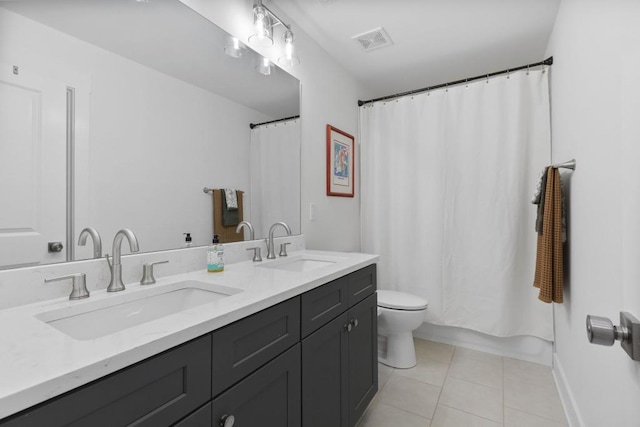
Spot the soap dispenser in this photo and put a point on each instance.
(215, 256)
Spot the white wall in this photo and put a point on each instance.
(136, 126)
(329, 96)
(595, 118)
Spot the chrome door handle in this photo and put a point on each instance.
(602, 331)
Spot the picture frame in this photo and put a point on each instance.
(340, 163)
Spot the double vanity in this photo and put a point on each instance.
(284, 342)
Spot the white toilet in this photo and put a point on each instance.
(398, 315)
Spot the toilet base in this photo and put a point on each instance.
(401, 352)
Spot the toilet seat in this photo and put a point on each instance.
(400, 301)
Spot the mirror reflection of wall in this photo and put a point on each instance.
(151, 127)
(275, 175)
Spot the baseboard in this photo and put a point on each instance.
(566, 396)
(530, 349)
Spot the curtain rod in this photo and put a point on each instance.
(548, 61)
(253, 125)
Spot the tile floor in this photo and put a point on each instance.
(453, 386)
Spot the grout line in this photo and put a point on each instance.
(504, 415)
(472, 414)
(446, 375)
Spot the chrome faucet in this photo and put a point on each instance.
(95, 237)
(249, 226)
(116, 284)
(271, 253)
(256, 249)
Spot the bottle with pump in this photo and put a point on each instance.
(187, 240)
(215, 256)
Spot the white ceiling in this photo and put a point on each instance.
(434, 41)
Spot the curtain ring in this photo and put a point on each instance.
(508, 71)
(528, 69)
(446, 87)
(466, 82)
(487, 78)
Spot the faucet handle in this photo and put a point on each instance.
(283, 249)
(79, 285)
(147, 273)
(257, 257)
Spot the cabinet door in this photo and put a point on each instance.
(363, 356)
(155, 392)
(324, 375)
(200, 418)
(268, 397)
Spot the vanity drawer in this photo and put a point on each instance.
(244, 346)
(157, 391)
(322, 304)
(362, 283)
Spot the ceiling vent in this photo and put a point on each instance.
(373, 39)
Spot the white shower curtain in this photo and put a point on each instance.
(447, 178)
(275, 176)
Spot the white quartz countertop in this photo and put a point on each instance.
(38, 362)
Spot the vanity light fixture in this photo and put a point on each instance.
(264, 66)
(234, 47)
(264, 21)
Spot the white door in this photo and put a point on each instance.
(33, 119)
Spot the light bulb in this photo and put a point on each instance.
(288, 44)
(234, 47)
(264, 66)
(288, 51)
(260, 25)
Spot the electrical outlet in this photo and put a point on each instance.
(313, 211)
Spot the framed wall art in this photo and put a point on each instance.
(340, 161)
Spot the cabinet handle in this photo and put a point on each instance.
(348, 326)
(354, 322)
(227, 421)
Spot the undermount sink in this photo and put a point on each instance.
(97, 319)
(302, 264)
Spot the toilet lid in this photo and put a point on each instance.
(401, 301)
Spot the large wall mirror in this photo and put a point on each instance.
(118, 113)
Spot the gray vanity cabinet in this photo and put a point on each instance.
(308, 361)
(157, 391)
(339, 356)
